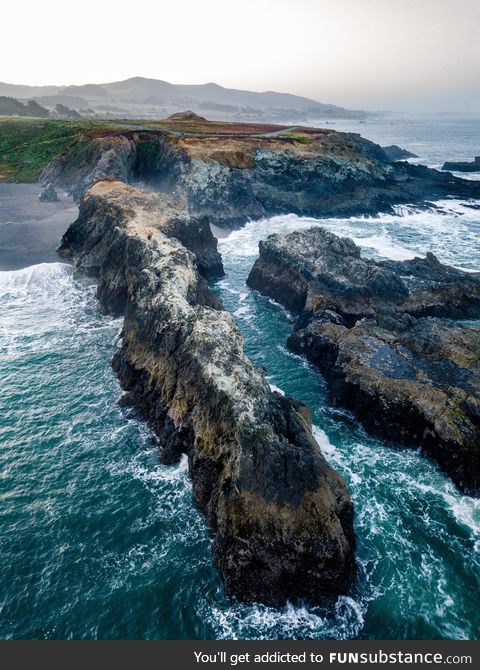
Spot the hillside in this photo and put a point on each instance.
(139, 97)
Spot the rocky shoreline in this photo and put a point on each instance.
(281, 517)
(463, 166)
(384, 336)
(232, 178)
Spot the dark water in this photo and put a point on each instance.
(99, 540)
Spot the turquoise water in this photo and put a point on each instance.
(98, 540)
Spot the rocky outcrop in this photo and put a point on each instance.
(281, 517)
(188, 115)
(383, 336)
(396, 153)
(112, 156)
(463, 166)
(235, 177)
(48, 194)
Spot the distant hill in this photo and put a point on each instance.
(145, 98)
(12, 107)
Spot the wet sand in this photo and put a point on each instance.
(30, 230)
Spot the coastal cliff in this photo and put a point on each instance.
(383, 335)
(280, 516)
(236, 172)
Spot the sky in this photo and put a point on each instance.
(371, 54)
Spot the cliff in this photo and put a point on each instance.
(235, 172)
(383, 336)
(281, 517)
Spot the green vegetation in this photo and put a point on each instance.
(28, 145)
(297, 136)
(13, 107)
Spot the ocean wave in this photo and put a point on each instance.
(41, 278)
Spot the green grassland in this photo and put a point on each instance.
(27, 145)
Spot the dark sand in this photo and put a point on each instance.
(30, 230)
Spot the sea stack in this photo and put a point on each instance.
(280, 516)
(48, 194)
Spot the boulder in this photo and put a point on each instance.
(48, 194)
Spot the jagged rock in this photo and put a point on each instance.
(280, 516)
(104, 157)
(396, 153)
(48, 194)
(236, 178)
(463, 166)
(375, 332)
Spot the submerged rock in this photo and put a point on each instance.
(382, 334)
(396, 153)
(463, 166)
(48, 194)
(280, 516)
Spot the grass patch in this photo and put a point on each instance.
(297, 136)
(28, 145)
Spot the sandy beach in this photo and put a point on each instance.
(30, 230)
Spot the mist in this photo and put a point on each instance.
(401, 55)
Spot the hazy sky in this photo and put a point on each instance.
(381, 54)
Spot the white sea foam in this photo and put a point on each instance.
(277, 389)
(41, 278)
(450, 229)
(242, 311)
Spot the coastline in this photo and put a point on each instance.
(420, 508)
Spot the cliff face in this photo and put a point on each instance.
(380, 333)
(281, 518)
(232, 178)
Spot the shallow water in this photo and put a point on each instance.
(97, 539)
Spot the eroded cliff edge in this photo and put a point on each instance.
(280, 516)
(234, 172)
(384, 336)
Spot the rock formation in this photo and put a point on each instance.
(281, 518)
(463, 166)
(188, 115)
(231, 174)
(48, 194)
(383, 336)
(396, 153)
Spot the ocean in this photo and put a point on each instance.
(98, 540)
